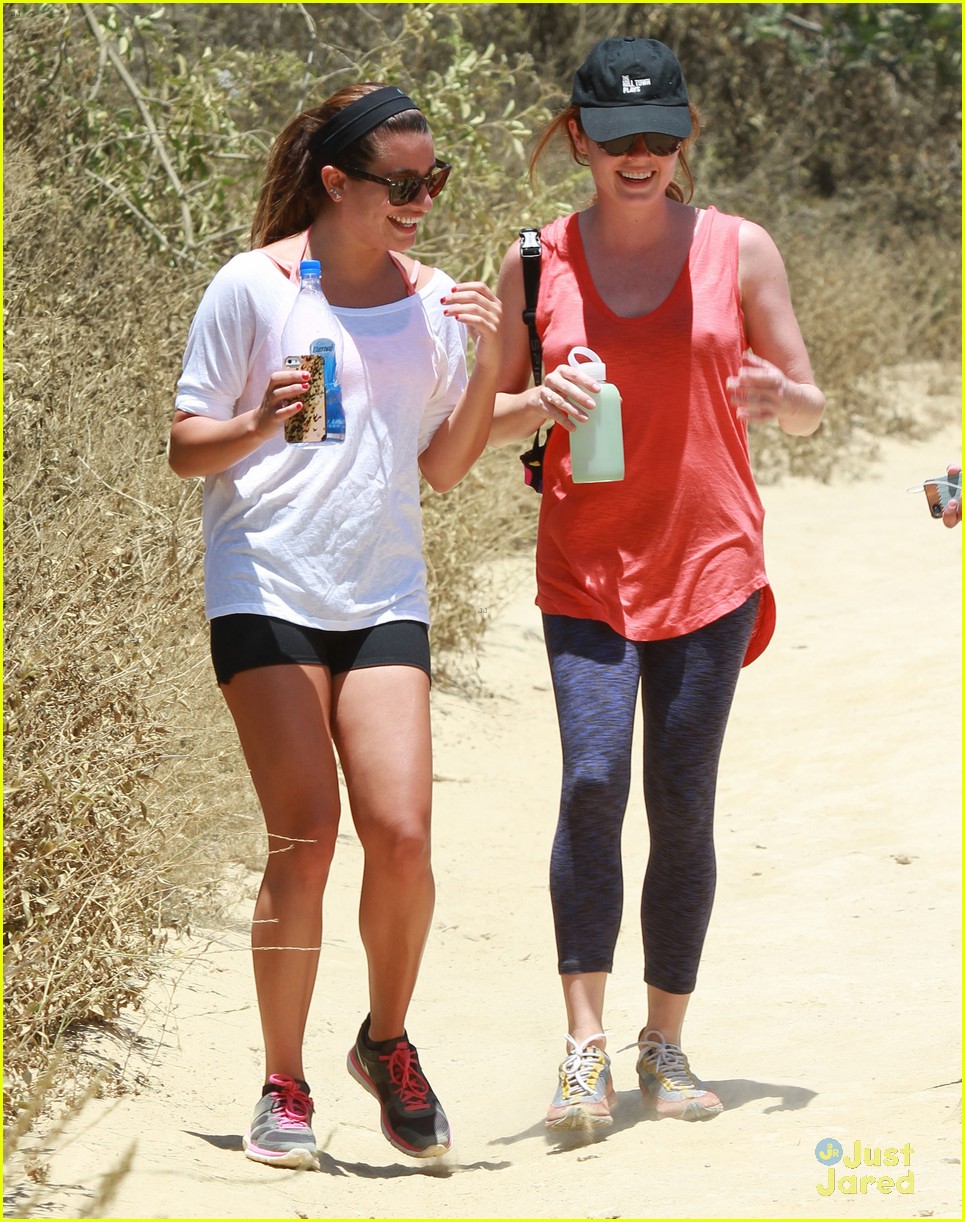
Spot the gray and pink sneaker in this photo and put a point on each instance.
(585, 1098)
(281, 1133)
(667, 1081)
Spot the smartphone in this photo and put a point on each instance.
(940, 490)
(307, 427)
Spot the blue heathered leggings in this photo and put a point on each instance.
(688, 686)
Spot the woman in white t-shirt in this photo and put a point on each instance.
(314, 577)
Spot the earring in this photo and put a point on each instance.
(335, 195)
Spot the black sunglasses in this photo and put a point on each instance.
(405, 190)
(658, 143)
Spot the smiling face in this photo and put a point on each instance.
(365, 205)
(637, 175)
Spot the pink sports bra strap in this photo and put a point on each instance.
(410, 279)
(289, 269)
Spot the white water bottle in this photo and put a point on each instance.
(312, 339)
(596, 444)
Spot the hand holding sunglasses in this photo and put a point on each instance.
(404, 190)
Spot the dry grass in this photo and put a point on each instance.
(490, 514)
(101, 624)
(868, 301)
(24, 1191)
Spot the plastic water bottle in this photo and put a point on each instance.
(312, 339)
(596, 445)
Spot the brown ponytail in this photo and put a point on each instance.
(292, 194)
(560, 125)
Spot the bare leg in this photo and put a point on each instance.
(583, 994)
(281, 713)
(665, 1074)
(585, 1096)
(382, 731)
(665, 1013)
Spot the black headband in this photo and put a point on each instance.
(359, 117)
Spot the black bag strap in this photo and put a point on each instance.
(530, 253)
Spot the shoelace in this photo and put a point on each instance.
(292, 1106)
(405, 1076)
(579, 1064)
(669, 1063)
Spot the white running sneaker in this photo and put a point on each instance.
(667, 1080)
(585, 1096)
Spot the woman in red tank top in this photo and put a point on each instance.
(653, 585)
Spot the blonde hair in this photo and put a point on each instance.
(561, 126)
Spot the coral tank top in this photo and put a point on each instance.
(677, 543)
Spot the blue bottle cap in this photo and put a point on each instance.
(309, 267)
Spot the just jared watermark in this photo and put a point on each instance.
(846, 1171)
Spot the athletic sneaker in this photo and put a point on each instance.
(666, 1079)
(585, 1096)
(280, 1133)
(412, 1117)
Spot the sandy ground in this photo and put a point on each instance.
(829, 1004)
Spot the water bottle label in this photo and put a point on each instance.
(334, 415)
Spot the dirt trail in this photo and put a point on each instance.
(828, 1008)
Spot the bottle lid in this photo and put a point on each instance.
(309, 267)
(593, 367)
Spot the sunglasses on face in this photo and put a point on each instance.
(405, 190)
(659, 144)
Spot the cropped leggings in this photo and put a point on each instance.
(687, 688)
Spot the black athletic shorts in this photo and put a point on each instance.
(244, 642)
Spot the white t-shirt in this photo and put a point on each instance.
(331, 536)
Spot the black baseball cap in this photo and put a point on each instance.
(628, 85)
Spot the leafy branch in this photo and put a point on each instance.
(108, 48)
